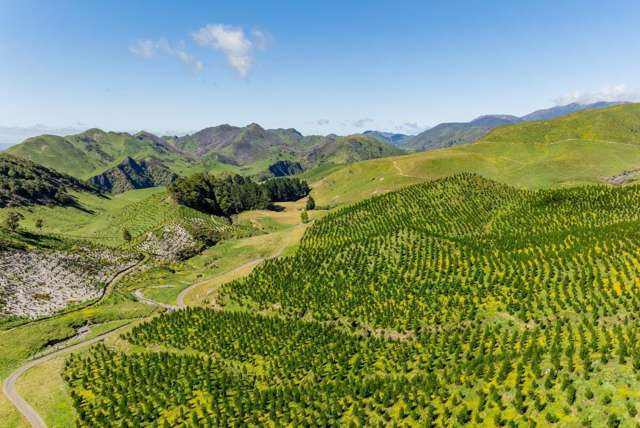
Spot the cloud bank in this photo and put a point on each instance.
(610, 93)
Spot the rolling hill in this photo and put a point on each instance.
(352, 148)
(620, 124)
(460, 302)
(584, 147)
(451, 134)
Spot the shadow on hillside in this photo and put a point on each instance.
(71, 201)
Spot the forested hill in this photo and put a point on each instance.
(23, 182)
(620, 124)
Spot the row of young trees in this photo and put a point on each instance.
(232, 194)
(457, 302)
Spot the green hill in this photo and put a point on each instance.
(585, 147)
(101, 220)
(94, 151)
(616, 124)
(25, 183)
(352, 148)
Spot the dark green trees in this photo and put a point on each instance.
(311, 204)
(223, 196)
(232, 194)
(283, 189)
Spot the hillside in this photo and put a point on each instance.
(558, 111)
(94, 151)
(352, 148)
(25, 183)
(449, 303)
(131, 174)
(451, 134)
(592, 146)
(242, 145)
(620, 123)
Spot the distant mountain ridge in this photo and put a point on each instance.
(388, 137)
(454, 133)
(112, 160)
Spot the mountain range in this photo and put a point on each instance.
(248, 150)
(454, 133)
(120, 161)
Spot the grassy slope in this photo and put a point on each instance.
(75, 156)
(620, 123)
(578, 149)
(103, 219)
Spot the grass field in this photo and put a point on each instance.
(524, 165)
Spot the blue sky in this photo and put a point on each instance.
(321, 67)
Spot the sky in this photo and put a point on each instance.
(318, 66)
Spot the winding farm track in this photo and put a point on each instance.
(9, 384)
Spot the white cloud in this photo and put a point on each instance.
(322, 122)
(234, 43)
(148, 49)
(610, 93)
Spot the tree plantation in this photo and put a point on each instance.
(459, 301)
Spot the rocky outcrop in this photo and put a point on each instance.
(173, 242)
(40, 283)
